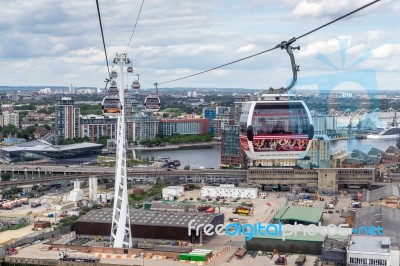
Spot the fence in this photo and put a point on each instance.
(26, 240)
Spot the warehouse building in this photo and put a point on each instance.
(229, 191)
(302, 244)
(388, 196)
(299, 215)
(159, 225)
(386, 217)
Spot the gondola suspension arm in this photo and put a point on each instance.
(295, 68)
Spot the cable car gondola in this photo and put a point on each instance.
(114, 74)
(113, 90)
(277, 127)
(135, 85)
(112, 106)
(129, 69)
(152, 103)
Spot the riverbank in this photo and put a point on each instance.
(199, 145)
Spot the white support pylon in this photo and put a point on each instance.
(121, 225)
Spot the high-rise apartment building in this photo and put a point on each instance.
(193, 126)
(10, 118)
(144, 126)
(96, 126)
(67, 119)
(231, 152)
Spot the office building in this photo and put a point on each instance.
(210, 113)
(324, 124)
(371, 250)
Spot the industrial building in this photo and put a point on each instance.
(229, 191)
(334, 252)
(42, 150)
(386, 217)
(303, 244)
(160, 225)
(387, 196)
(299, 215)
(327, 180)
(172, 192)
(371, 250)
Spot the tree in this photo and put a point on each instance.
(47, 127)
(9, 129)
(187, 167)
(31, 129)
(5, 176)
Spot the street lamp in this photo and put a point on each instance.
(142, 254)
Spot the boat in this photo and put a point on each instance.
(390, 133)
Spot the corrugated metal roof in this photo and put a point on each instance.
(386, 217)
(381, 193)
(300, 213)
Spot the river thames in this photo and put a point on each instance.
(210, 157)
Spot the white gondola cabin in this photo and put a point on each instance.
(152, 103)
(135, 85)
(112, 106)
(114, 74)
(275, 129)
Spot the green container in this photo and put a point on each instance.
(193, 257)
(147, 206)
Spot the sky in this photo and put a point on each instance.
(58, 43)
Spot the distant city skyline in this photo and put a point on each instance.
(59, 43)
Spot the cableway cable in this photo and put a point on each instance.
(281, 45)
(102, 36)
(140, 10)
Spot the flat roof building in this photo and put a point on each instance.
(371, 250)
(161, 225)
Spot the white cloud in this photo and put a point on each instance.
(175, 38)
(396, 7)
(246, 48)
(386, 51)
(323, 8)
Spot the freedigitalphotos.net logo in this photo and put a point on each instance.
(279, 230)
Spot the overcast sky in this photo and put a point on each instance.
(47, 42)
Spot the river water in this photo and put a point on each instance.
(210, 157)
